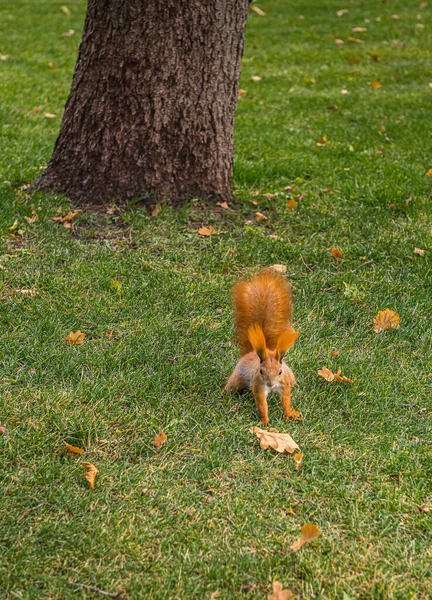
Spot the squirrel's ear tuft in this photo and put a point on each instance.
(285, 341)
(258, 341)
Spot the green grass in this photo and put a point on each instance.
(211, 511)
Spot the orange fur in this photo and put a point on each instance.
(257, 340)
(285, 341)
(264, 301)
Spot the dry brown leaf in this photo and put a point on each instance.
(424, 508)
(375, 57)
(260, 217)
(206, 231)
(160, 439)
(298, 459)
(279, 593)
(386, 319)
(75, 338)
(429, 173)
(339, 42)
(375, 84)
(330, 376)
(270, 195)
(278, 268)
(74, 449)
(68, 33)
(281, 442)
(30, 292)
(258, 11)
(336, 253)
(214, 595)
(256, 78)
(419, 251)
(33, 218)
(90, 473)
(334, 353)
(308, 533)
(342, 11)
(156, 210)
(291, 203)
(242, 93)
(358, 29)
(50, 116)
(355, 40)
(223, 205)
(68, 217)
(322, 141)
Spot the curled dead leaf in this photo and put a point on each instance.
(429, 173)
(279, 593)
(336, 253)
(298, 459)
(375, 57)
(334, 353)
(90, 473)
(74, 449)
(424, 508)
(375, 84)
(386, 319)
(68, 217)
(281, 442)
(257, 10)
(160, 439)
(291, 203)
(50, 116)
(308, 533)
(75, 338)
(223, 205)
(419, 251)
(260, 217)
(330, 376)
(242, 93)
(206, 231)
(156, 210)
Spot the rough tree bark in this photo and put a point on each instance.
(151, 109)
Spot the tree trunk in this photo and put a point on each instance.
(151, 109)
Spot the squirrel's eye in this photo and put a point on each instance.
(280, 372)
(261, 371)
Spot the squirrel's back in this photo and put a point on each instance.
(265, 300)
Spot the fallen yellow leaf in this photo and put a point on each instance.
(330, 376)
(242, 93)
(258, 11)
(334, 353)
(33, 218)
(386, 319)
(336, 253)
(298, 459)
(429, 173)
(281, 442)
(356, 40)
(66, 10)
(308, 533)
(156, 210)
(90, 473)
(291, 203)
(116, 285)
(260, 217)
(160, 439)
(206, 231)
(419, 251)
(375, 84)
(75, 338)
(68, 217)
(74, 449)
(279, 593)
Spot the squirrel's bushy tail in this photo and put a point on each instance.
(265, 301)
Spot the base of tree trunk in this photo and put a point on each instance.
(151, 109)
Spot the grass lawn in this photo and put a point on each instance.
(210, 511)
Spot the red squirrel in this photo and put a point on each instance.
(263, 312)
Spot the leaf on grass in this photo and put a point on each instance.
(156, 210)
(206, 231)
(278, 268)
(429, 173)
(66, 219)
(339, 42)
(256, 78)
(424, 508)
(322, 141)
(308, 533)
(260, 217)
(33, 218)
(336, 253)
(344, 92)
(258, 11)
(242, 93)
(90, 473)
(375, 57)
(2, 429)
(291, 203)
(68, 33)
(223, 205)
(214, 595)
(330, 376)
(116, 285)
(279, 593)
(375, 84)
(355, 40)
(66, 10)
(75, 338)
(386, 319)
(358, 29)
(298, 459)
(74, 449)
(281, 442)
(341, 12)
(4, 56)
(160, 439)
(352, 61)
(31, 292)
(419, 251)
(50, 116)
(334, 353)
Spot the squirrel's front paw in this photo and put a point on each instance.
(293, 414)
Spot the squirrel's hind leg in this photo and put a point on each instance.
(236, 382)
